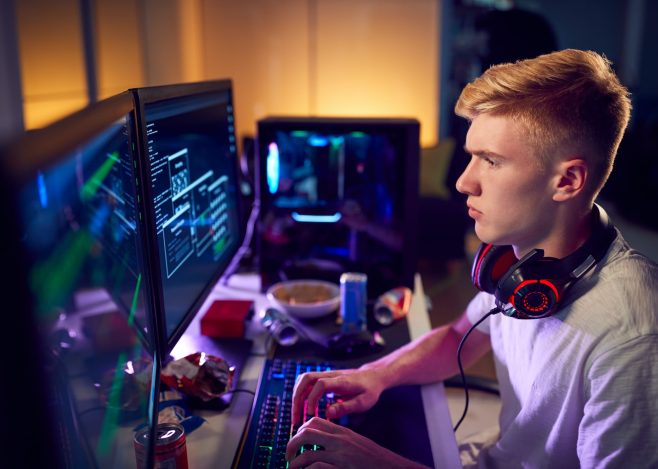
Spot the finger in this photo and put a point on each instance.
(318, 432)
(305, 436)
(323, 384)
(338, 385)
(321, 440)
(305, 380)
(312, 460)
(345, 407)
(323, 425)
(303, 386)
(319, 389)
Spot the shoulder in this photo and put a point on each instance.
(618, 300)
(630, 275)
(623, 270)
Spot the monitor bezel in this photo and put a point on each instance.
(42, 148)
(409, 129)
(149, 95)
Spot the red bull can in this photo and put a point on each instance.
(353, 301)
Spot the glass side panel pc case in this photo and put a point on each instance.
(188, 147)
(337, 195)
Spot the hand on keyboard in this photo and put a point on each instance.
(340, 447)
(358, 389)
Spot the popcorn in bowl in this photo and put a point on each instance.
(305, 298)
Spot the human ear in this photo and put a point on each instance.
(571, 178)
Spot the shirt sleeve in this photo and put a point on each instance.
(480, 305)
(619, 427)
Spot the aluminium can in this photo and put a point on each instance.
(280, 327)
(170, 447)
(353, 301)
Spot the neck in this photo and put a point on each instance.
(569, 231)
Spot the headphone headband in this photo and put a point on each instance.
(595, 248)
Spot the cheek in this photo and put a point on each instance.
(511, 210)
(525, 191)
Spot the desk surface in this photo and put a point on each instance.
(215, 443)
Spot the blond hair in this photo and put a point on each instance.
(568, 101)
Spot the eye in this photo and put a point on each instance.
(489, 161)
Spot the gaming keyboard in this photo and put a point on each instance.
(269, 427)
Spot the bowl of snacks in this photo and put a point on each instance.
(305, 298)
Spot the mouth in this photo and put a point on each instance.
(473, 212)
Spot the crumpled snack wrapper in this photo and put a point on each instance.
(123, 388)
(199, 375)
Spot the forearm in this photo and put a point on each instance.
(430, 358)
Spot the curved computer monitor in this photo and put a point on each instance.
(337, 195)
(190, 174)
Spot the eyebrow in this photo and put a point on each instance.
(481, 153)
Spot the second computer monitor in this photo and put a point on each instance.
(187, 140)
(338, 194)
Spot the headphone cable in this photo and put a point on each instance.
(459, 362)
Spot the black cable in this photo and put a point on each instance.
(244, 247)
(459, 362)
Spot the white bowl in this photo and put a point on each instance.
(305, 298)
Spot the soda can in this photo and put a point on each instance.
(170, 447)
(392, 305)
(353, 301)
(280, 327)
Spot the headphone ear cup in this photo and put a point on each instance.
(535, 298)
(490, 264)
(529, 286)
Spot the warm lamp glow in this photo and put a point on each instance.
(355, 58)
(52, 69)
(39, 114)
(379, 61)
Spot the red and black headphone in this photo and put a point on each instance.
(534, 286)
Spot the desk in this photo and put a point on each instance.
(216, 441)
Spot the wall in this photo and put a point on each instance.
(11, 110)
(326, 57)
(624, 31)
(52, 69)
(294, 57)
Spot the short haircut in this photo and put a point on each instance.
(568, 101)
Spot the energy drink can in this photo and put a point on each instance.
(170, 447)
(353, 301)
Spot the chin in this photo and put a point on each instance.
(487, 237)
(482, 234)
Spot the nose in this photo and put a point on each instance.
(467, 182)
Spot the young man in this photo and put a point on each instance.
(578, 387)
